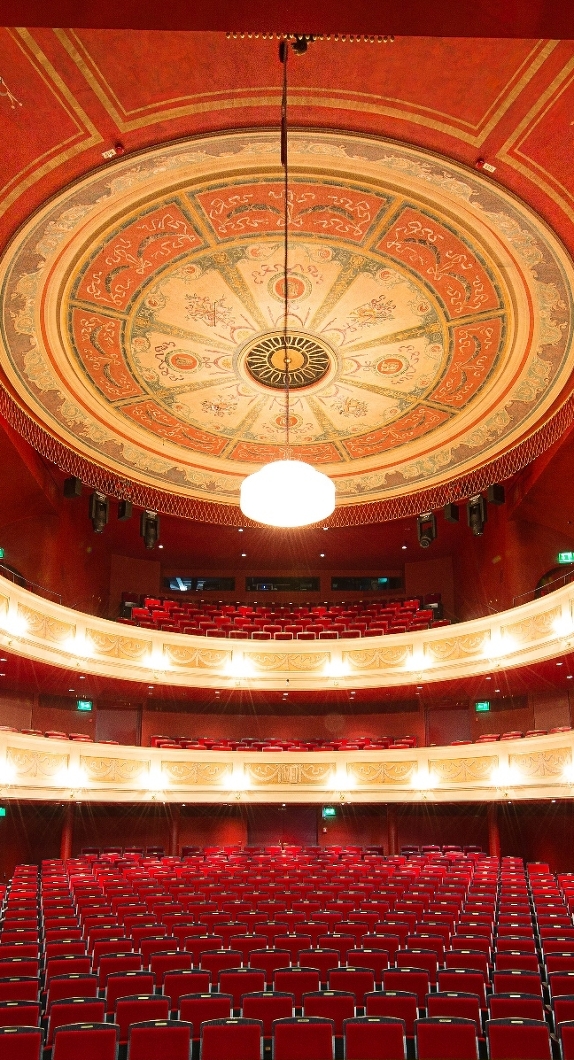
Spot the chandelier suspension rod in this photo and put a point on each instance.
(283, 55)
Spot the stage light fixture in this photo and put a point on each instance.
(149, 528)
(99, 511)
(125, 509)
(72, 487)
(451, 513)
(495, 494)
(476, 514)
(426, 529)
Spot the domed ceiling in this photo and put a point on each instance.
(430, 319)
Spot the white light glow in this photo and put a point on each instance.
(287, 493)
(7, 773)
(336, 668)
(156, 779)
(79, 645)
(342, 780)
(237, 779)
(240, 666)
(504, 775)
(71, 776)
(15, 623)
(158, 659)
(563, 626)
(498, 645)
(568, 773)
(423, 779)
(418, 660)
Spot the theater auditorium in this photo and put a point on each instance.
(286, 532)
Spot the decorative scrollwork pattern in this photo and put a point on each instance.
(376, 773)
(35, 763)
(195, 773)
(460, 770)
(45, 627)
(542, 763)
(113, 770)
(290, 773)
(377, 658)
(534, 628)
(196, 658)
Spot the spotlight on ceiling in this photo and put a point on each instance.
(495, 494)
(124, 511)
(451, 513)
(476, 514)
(426, 529)
(149, 528)
(99, 511)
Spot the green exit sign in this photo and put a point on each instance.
(85, 705)
(566, 557)
(2, 811)
(1, 553)
(482, 706)
(328, 811)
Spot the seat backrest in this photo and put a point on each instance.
(399, 1004)
(19, 1013)
(124, 984)
(239, 1038)
(136, 1008)
(446, 1038)
(521, 1006)
(150, 1039)
(74, 1010)
(21, 1043)
(199, 1008)
(90, 1041)
(19, 988)
(375, 1037)
(74, 985)
(566, 1036)
(447, 1003)
(358, 981)
(267, 1007)
(522, 1039)
(239, 981)
(336, 1005)
(303, 1038)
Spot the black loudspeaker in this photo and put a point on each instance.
(451, 513)
(426, 529)
(149, 528)
(476, 513)
(99, 511)
(495, 494)
(124, 511)
(72, 487)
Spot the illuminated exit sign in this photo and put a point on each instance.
(482, 706)
(566, 557)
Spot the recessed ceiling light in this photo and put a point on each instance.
(497, 690)
(240, 530)
(322, 555)
(82, 678)
(151, 686)
(489, 678)
(160, 546)
(244, 554)
(3, 660)
(404, 545)
(559, 664)
(325, 528)
(568, 677)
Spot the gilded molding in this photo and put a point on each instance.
(289, 773)
(35, 763)
(44, 626)
(542, 763)
(118, 646)
(535, 627)
(381, 772)
(458, 647)
(191, 773)
(377, 658)
(196, 658)
(113, 770)
(462, 770)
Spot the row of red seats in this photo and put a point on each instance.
(283, 623)
(398, 877)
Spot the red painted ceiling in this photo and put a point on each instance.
(509, 101)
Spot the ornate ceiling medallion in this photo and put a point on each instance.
(430, 321)
(308, 359)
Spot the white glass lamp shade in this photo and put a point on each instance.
(287, 493)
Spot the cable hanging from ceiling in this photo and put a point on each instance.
(287, 492)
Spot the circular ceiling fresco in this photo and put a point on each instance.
(429, 321)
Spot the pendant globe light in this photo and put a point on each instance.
(287, 493)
